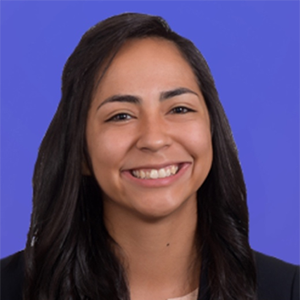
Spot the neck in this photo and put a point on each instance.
(159, 256)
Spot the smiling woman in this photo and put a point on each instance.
(155, 127)
(138, 190)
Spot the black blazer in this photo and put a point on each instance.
(277, 280)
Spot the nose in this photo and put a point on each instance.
(153, 134)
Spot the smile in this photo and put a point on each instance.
(156, 173)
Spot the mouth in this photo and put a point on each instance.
(149, 174)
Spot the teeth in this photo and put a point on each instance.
(142, 174)
(154, 174)
(162, 173)
(173, 169)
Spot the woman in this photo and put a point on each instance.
(138, 190)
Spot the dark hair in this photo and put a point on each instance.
(68, 253)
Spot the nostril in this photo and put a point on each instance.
(153, 140)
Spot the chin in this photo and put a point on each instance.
(152, 210)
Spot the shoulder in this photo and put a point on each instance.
(12, 275)
(276, 279)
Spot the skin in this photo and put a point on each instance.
(154, 222)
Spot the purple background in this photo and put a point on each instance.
(252, 48)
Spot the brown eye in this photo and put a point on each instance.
(181, 110)
(119, 117)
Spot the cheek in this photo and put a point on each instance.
(198, 141)
(200, 148)
(107, 151)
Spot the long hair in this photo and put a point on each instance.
(68, 253)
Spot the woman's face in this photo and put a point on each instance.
(148, 131)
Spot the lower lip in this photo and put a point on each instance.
(159, 182)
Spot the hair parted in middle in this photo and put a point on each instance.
(68, 251)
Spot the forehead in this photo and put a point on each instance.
(151, 48)
(145, 63)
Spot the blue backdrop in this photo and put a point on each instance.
(252, 48)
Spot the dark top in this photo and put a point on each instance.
(277, 280)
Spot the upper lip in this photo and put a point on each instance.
(155, 166)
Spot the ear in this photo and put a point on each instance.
(85, 169)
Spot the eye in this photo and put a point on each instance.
(181, 110)
(119, 117)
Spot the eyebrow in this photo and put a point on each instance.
(137, 100)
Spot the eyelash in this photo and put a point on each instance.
(183, 110)
(124, 116)
(119, 117)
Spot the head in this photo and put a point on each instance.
(64, 180)
(83, 73)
